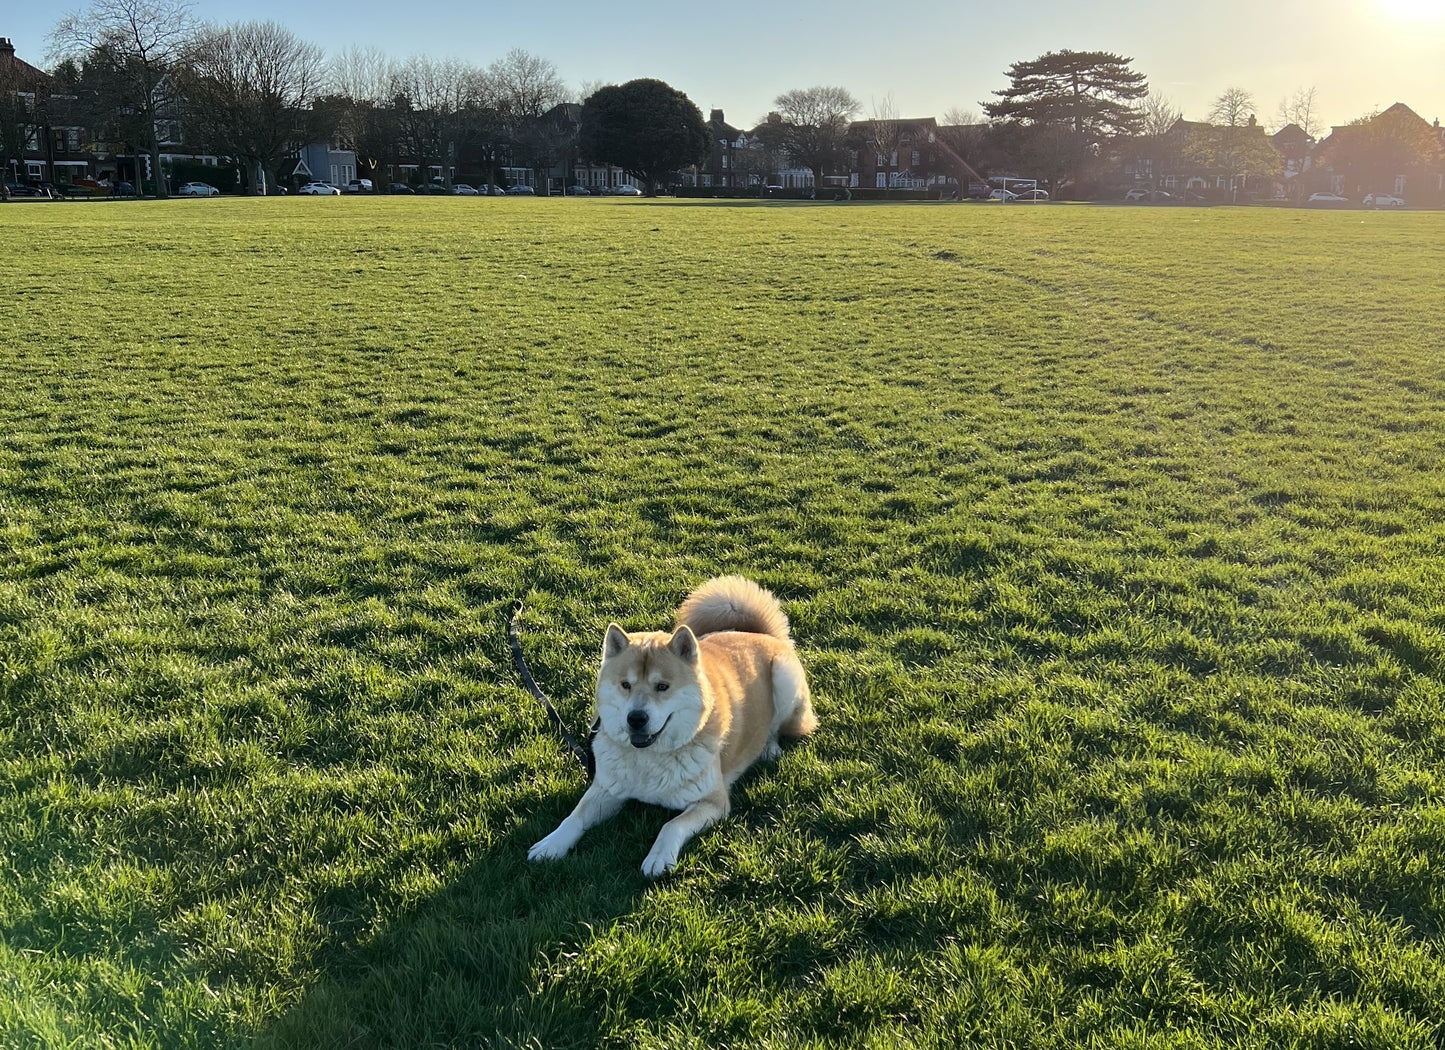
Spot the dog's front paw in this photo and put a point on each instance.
(659, 861)
(553, 847)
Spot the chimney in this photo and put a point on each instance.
(6, 47)
(716, 118)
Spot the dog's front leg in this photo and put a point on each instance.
(676, 832)
(595, 806)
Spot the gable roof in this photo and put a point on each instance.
(17, 66)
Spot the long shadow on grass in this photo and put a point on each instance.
(460, 969)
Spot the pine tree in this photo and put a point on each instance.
(1092, 93)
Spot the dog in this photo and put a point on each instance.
(679, 717)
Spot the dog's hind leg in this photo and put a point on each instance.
(792, 703)
(676, 833)
(595, 806)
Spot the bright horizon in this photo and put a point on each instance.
(1359, 55)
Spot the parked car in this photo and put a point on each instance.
(198, 189)
(1148, 195)
(1328, 198)
(487, 189)
(20, 189)
(320, 189)
(461, 189)
(1032, 195)
(626, 191)
(357, 186)
(438, 189)
(1383, 200)
(123, 189)
(399, 187)
(1002, 195)
(578, 191)
(521, 191)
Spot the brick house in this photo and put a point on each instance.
(910, 159)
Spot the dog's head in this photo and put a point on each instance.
(648, 690)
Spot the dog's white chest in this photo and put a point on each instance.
(675, 779)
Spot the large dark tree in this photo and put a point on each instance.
(1069, 105)
(1093, 93)
(646, 128)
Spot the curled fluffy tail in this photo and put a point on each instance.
(731, 603)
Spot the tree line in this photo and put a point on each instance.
(252, 91)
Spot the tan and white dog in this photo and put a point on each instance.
(681, 716)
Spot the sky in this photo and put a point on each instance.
(926, 56)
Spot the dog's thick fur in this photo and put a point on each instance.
(683, 715)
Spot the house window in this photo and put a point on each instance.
(914, 161)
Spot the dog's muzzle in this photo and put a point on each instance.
(640, 739)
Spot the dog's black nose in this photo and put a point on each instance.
(636, 719)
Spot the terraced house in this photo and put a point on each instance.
(40, 133)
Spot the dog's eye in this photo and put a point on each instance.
(626, 685)
(662, 687)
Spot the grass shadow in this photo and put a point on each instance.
(461, 967)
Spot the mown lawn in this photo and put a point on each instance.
(1113, 540)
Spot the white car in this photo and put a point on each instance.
(205, 189)
(320, 189)
(626, 191)
(1328, 198)
(461, 189)
(1001, 195)
(1383, 200)
(1032, 195)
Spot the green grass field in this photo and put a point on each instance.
(1113, 540)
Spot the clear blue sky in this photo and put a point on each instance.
(929, 55)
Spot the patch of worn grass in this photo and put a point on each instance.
(1112, 540)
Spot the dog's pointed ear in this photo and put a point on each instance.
(683, 644)
(615, 642)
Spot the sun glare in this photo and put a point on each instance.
(1415, 9)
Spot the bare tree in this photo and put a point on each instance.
(251, 86)
(885, 132)
(138, 44)
(357, 95)
(524, 85)
(963, 136)
(1160, 115)
(815, 126)
(1156, 142)
(1302, 110)
(524, 88)
(1234, 140)
(1234, 108)
(432, 100)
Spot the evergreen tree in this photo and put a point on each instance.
(1092, 93)
(646, 128)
